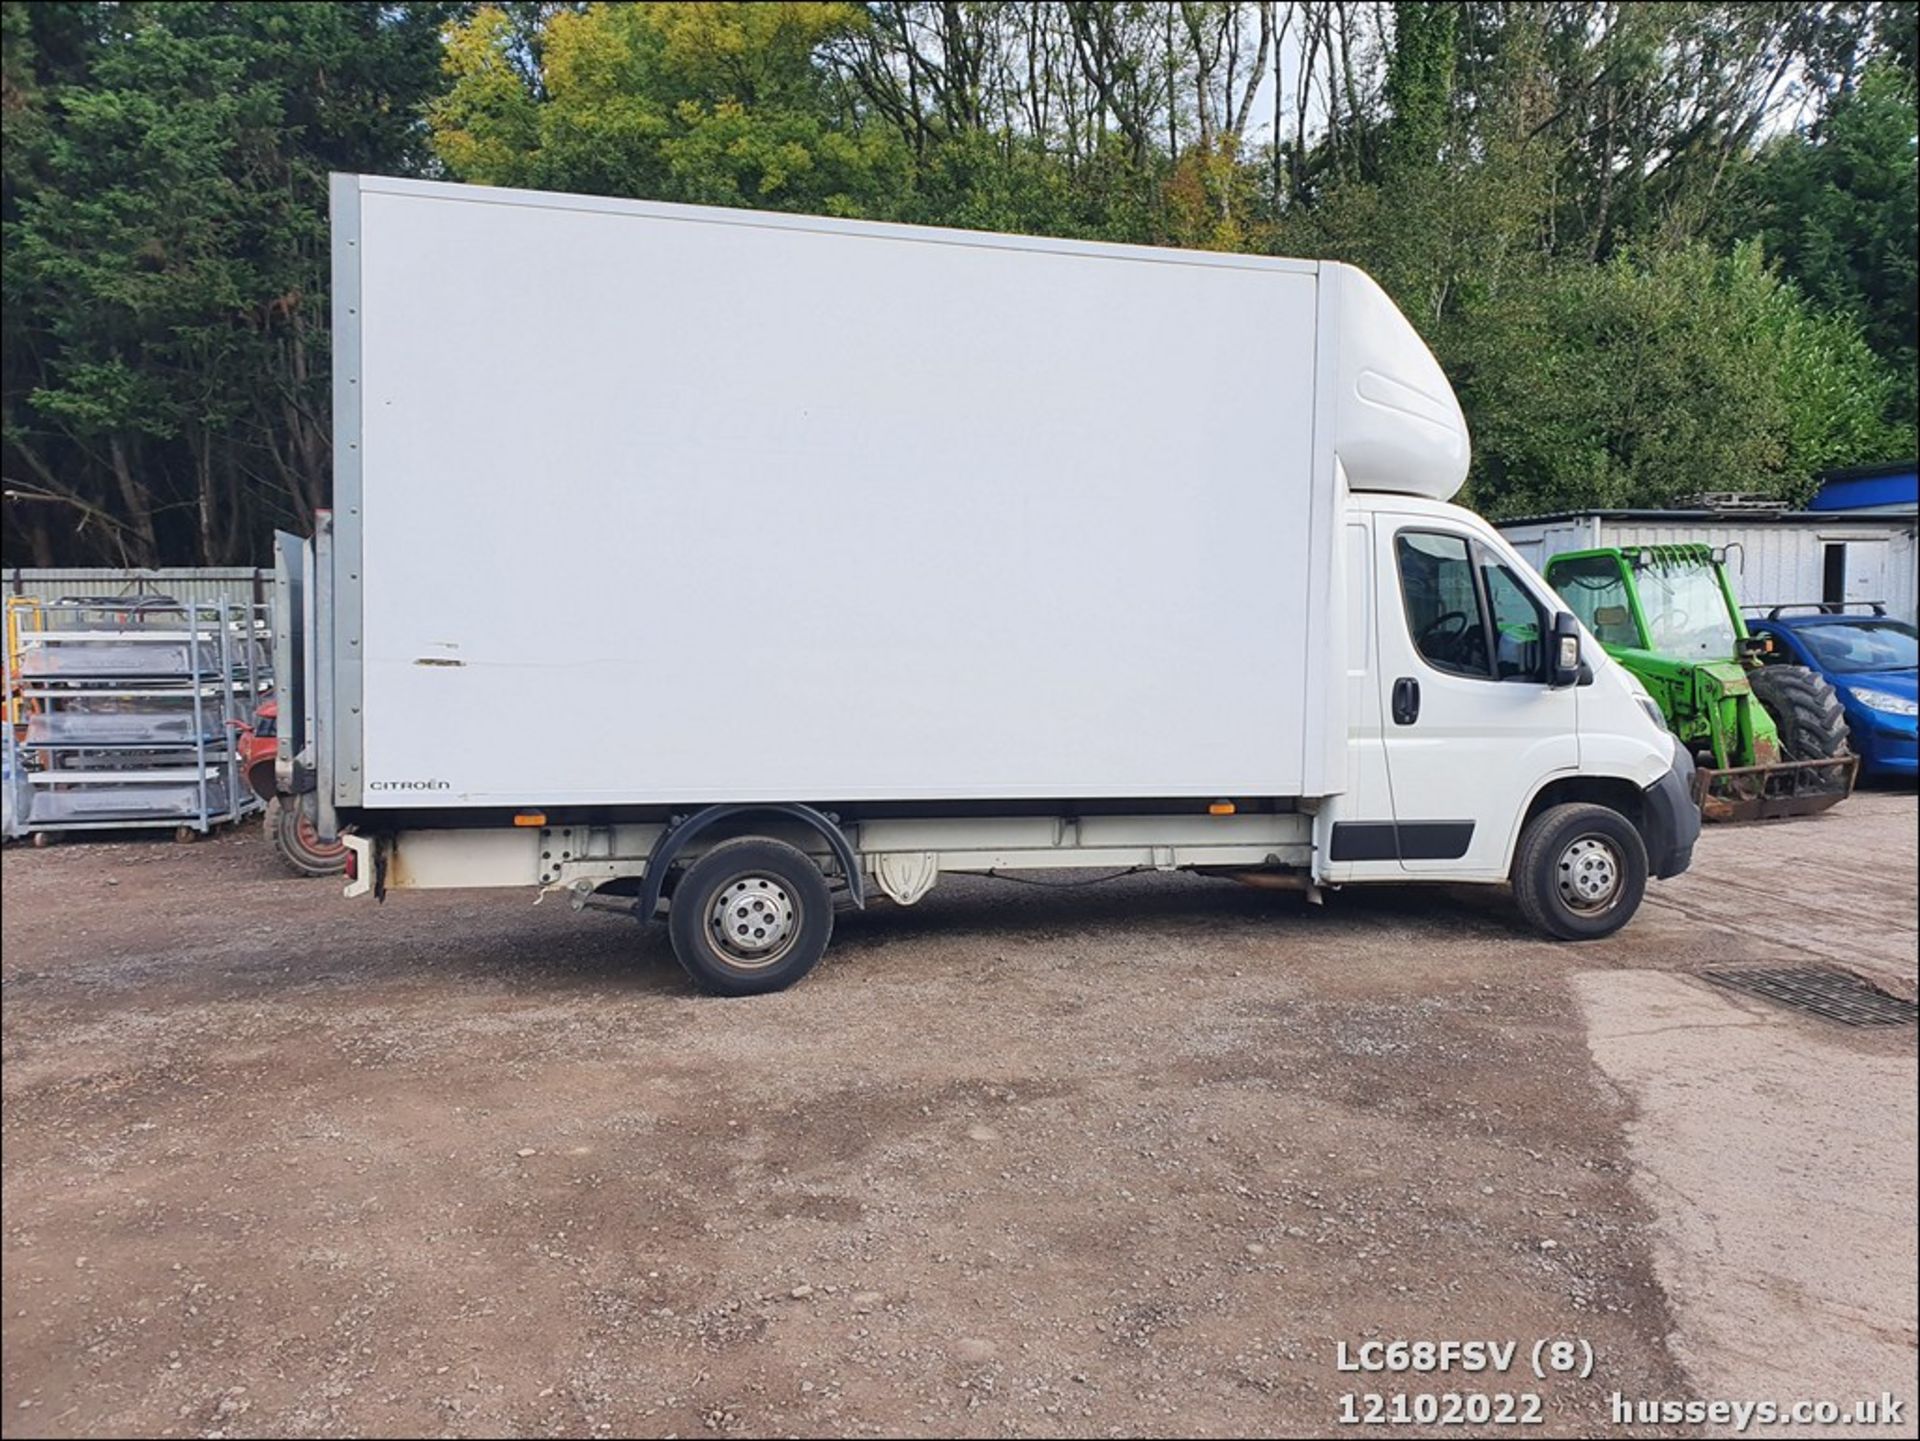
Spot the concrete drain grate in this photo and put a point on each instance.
(1821, 991)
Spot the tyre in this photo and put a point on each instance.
(1811, 722)
(1579, 872)
(750, 916)
(299, 845)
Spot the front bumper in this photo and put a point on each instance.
(1892, 760)
(1886, 743)
(1672, 819)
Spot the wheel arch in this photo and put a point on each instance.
(1616, 793)
(672, 841)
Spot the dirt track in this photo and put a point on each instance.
(1127, 1159)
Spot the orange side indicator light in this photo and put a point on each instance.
(1221, 808)
(529, 818)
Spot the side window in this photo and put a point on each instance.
(1594, 591)
(1518, 624)
(1443, 604)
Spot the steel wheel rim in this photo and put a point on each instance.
(754, 921)
(306, 837)
(1588, 874)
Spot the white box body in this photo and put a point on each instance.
(644, 504)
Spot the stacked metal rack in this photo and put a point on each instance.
(122, 712)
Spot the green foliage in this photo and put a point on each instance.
(715, 104)
(1420, 79)
(1839, 210)
(1641, 384)
(166, 259)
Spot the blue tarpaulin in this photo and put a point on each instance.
(1875, 487)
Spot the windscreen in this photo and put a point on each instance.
(1595, 589)
(1686, 611)
(1866, 645)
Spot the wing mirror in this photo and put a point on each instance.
(1564, 665)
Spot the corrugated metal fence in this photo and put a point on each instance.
(240, 585)
(1772, 562)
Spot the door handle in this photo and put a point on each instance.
(1406, 701)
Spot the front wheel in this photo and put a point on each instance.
(1579, 872)
(750, 916)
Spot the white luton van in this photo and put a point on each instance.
(735, 567)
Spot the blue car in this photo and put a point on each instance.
(1870, 660)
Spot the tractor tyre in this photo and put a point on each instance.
(298, 844)
(1812, 725)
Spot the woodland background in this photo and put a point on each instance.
(1661, 248)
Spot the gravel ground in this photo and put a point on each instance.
(1129, 1159)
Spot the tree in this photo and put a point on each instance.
(1837, 206)
(1642, 384)
(1419, 89)
(166, 259)
(718, 104)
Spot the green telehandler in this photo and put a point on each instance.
(1768, 739)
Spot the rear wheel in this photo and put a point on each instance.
(1580, 872)
(298, 843)
(750, 916)
(1805, 710)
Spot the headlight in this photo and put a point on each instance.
(1652, 708)
(1885, 701)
